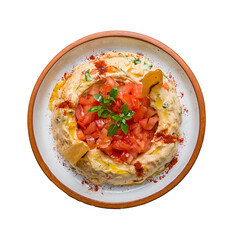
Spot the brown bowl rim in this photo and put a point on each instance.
(202, 119)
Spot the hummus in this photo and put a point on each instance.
(95, 165)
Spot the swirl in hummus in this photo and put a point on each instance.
(149, 149)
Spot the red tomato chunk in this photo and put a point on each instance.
(141, 128)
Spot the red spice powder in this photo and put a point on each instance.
(152, 180)
(166, 138)
(140, 54)
(91, 186)
(163, 174)
(101, 66)
(138, 168)
(185, 110)
(181, 140)
(181, 94)
(67, 76)
(171, 78)
(171, 164)
(91, 57)
(65, 104)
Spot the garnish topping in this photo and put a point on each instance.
(113, 117)
(147, 66)
(87, 75)
(137, 61)
(104, 111)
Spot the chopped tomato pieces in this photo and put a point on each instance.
(137, 91)
(85, 100)
(93, 129)
(93, 90)
(90, 141)
(108, 85)
(80, 134)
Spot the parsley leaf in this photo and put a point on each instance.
(87, 75)
(98, 97)
(112, 130)
(124, 127)
(136, 61)
(124, 108)
(95, 109)
(113, 93)
(147, 66)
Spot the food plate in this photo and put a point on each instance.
(58, 170)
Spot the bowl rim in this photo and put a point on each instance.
(202, 119)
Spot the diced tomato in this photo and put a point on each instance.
(90, 141)
(145, 102)
(100, 123)
(127, 157)
(151, 112)
(108, 85)
(124, 97)
(135, 104)
(121, 145)
(80, 134)
(85, 100)
(108, 150)
(103, 143)
(81, 125)
(137, 130)
(95, 135)
(88, 118)
(92, 127)
(139, 114)
(126, 89)
(141, 145)
(143, 123)
(93, 90)
(151, 122)
(137, 91)
(116, 155)
(79, 112)
(148, 124)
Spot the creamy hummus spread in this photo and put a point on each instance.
(95, 164)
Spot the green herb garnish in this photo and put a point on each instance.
(165, 105)
(104, 111)
(136, 61)
(147, 66)
(73, 168)
(87, 75)
(165, 76)
(78, 86)
(113, 128)
(122, 70)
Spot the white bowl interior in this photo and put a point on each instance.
(42, 128)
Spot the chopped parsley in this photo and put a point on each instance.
(87, 75)
(165, 105)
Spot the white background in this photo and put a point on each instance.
(206, 204)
